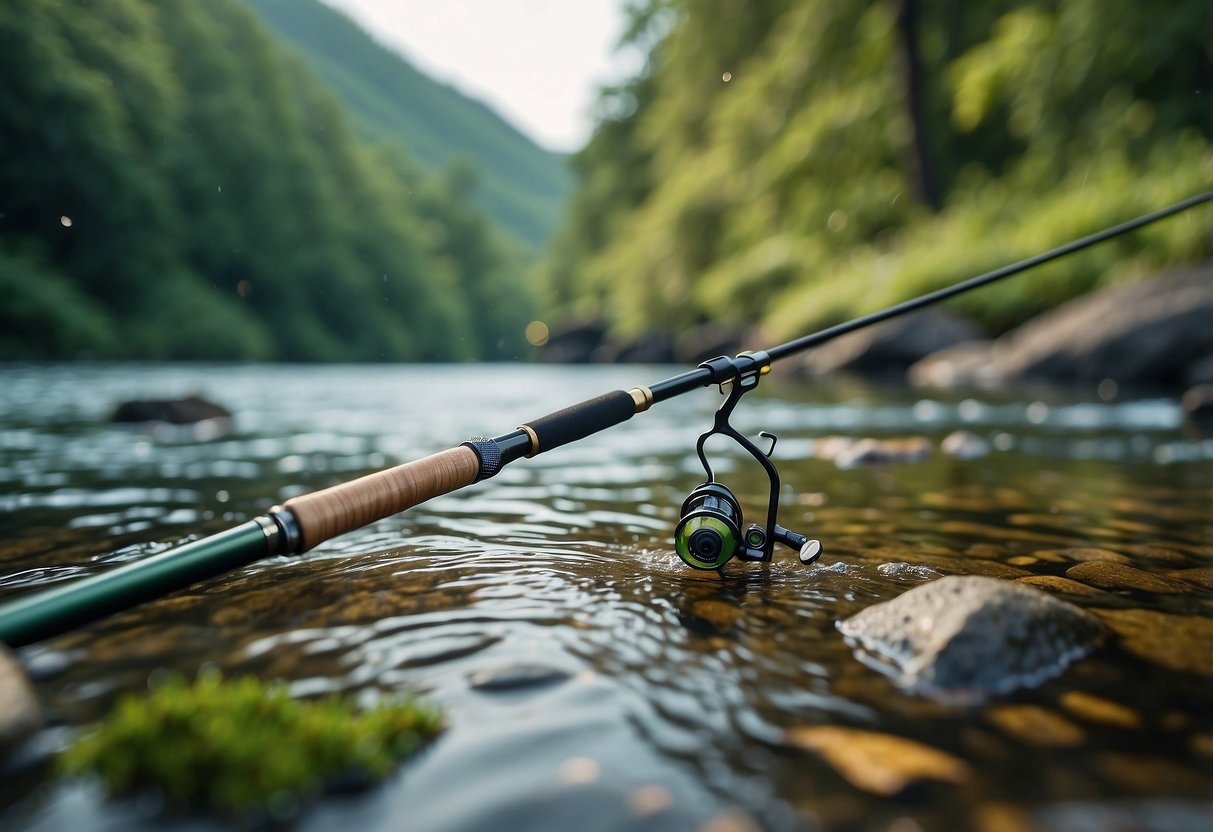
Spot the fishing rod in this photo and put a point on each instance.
(709, 531)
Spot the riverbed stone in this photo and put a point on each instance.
(1096, 709)
(1090, 553)
(1034, 725)
(1162, 554)
(20, 714)
(881, 764)
(1146, 774)
(992, 569)
(965, 637)
(1200, 576)
(965, 445)
(1106, 575)
(1177, 642)
(515, 676)
(1065, 586)
(720, 614)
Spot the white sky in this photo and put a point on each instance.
(538, 63)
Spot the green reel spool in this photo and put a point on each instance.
(709, 533)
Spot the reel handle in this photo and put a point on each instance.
(810, 550)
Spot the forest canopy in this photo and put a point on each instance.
(793, 163)
(174, 184)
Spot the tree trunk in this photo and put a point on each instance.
(920, 155)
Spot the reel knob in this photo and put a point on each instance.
(810, 551)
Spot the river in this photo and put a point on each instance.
(636, 693)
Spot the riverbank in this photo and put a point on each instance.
(1151, 335)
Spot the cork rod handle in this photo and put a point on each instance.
(325, 514)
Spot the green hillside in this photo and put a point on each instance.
(175, 184)
(520, 185)
(797, 162)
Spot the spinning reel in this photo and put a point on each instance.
(709, 532)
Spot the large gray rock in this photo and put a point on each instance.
(965, 637)
(891, 346)
(1151, 333)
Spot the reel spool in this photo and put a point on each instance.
(709, 532)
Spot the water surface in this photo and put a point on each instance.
(661, 697)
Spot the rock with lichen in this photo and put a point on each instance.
(967, 637)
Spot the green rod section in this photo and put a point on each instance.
(44, 614)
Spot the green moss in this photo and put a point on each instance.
(239, 746)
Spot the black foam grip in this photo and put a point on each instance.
(582, 420)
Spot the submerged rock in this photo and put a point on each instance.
(964, 637)
(184, 411)
(20, 715)
(1059, 584)
(964, 444)
(1115, 576)
(516, 676)
(1178, 642)
(1034, 725)
(1099, 710)
(881, 764)
(849, 452)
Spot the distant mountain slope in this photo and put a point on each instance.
(521, 185)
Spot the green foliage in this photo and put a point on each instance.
(772, 163)
(239, 747)
(46, 316)
(1001, 223)
(192, 191)
(488, 269)
(522, 186)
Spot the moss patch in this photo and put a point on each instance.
(239, 747)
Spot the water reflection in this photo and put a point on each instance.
(660, 682)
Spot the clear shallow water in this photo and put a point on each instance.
(669, 691)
